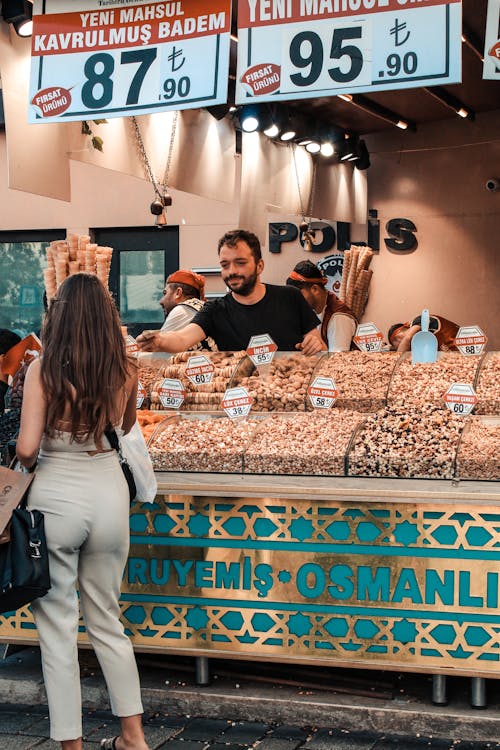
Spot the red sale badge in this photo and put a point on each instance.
(52, 101)
(494, 53)
(262, 79)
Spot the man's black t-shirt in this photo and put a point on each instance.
(283, 313)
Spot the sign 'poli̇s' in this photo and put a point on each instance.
(291, 49)
(92, 60)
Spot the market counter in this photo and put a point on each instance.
(359, 572)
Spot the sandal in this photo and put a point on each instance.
(109, 744)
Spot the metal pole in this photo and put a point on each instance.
(202, 670)
(439, 690)
(478, 692)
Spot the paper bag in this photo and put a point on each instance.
(13, 487)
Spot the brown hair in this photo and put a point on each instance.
(232, 238)
(84, 362)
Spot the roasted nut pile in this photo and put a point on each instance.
(412, 385)
(302, 443)
(479, 451)
(206, 396)
(488, 385)
(282, 385)
(190, 444)
(148, 421)
(362, 379)
(416, 443)
(147, 376)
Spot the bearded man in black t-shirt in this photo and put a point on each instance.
(250, 308)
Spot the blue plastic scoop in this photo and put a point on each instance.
(424, 344)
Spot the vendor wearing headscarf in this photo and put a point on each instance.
(183, 297)
(338, 324)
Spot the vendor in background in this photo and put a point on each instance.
(338, 324)
(183, 297)
(8, 339)
(249, 309)
(401, 334)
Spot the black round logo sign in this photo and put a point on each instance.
(332, 266)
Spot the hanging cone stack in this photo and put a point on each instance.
(356, 277)
(75, 254)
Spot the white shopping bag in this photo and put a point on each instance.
(134, 449)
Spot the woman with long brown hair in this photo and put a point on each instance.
(82, 384)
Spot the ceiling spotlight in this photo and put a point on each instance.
(327, 149)
(272, 131)
(345, 97)
(362, 156)
(347, 149)
(19, 13)
(288, 134)
(249, 120)
(313, 147)
(402, 124)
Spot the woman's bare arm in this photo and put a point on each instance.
(33, 416)
(130, 415)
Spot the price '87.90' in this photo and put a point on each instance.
(97, 91)
(306, 51)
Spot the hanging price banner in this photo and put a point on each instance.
(261, 349)
(470, 340)
(127, 58)
(141, 395)
(306, 48)
(322, 393)
(237, 402)
(200, 370)
(460, 398)
(368, 338)
(171, 393)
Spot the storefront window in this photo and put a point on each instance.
(142, 277)
(22, 261)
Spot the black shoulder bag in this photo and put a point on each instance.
(127, 471)
(24, 560)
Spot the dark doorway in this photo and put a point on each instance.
(142, 259)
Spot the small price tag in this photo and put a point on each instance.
(171, 393)
(237, 402)
(368, 338)
(460, 398)
(141, 395)
(261, 349)
(470, 340)
(200, 370)
(322, 393)
(131, 345)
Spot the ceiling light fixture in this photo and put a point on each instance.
(377, 110)
(272, 131)
(347, 149)
(327, 149)
(19, 13)
(471, 40)
(249, 119)
(444, 97)
(313, 147)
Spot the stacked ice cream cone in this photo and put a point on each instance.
(75, 254)
(356, 277)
